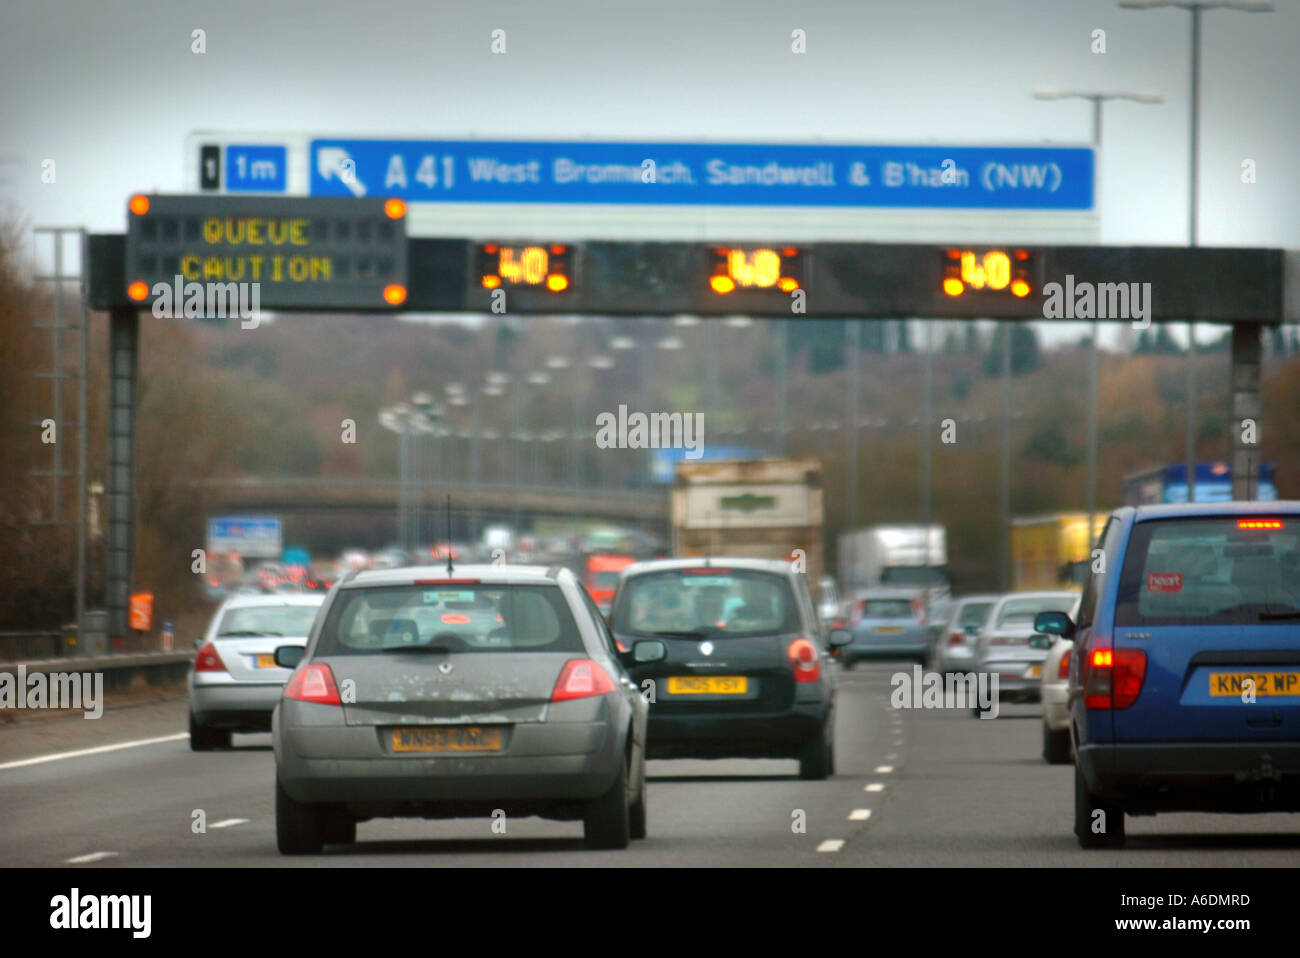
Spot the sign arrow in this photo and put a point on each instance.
(332, 161)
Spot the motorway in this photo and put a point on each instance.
(912, 788)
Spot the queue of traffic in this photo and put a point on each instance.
(1172, 681)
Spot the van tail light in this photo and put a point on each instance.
(1063, 670)
(579, 679)
(836, 624)
(313, 683)
(1113, 678)
(805, 660)
(855, 613)
(918, 611)
(208, 660)
(955, 639)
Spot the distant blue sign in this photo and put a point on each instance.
(722, 174)
(664, 468)
(256, 168)
(248, 536)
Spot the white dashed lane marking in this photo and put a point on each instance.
(874, 787)
(884, 769)
(226, 823)
(831, 845)
(859, 814)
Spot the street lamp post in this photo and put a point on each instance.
(1195, 8)
(1097, 99)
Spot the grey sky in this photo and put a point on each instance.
(109, 90)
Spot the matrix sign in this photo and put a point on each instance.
(300, 252)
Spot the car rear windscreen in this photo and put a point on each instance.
(974, 615)
(1214, 571)
(886, 609)
(274, 620)
(1020, 613)
(464, 617)
(724, 603)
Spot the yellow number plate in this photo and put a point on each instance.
(1265, 683)
(266, 661)
(1033, 672)
(708, 685)
(451, 738)
(888, 629)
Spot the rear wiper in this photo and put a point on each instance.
(245, 634)
(690, 633)
(1278, 616)
(445, 650)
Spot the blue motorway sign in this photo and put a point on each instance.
(256, 168)
(720, 174)
(248, 536)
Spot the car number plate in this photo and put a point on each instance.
(1033, 672)
(266, 660)
(888, 629)
(708, 685)
(1265, 683)
(451, 738)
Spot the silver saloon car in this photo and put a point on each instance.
(235, 682)
(435, 694)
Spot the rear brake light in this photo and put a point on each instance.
(956, 638)
(855, 613)
(579, 679)
(708, 570)
(313, 683)
(803, 656)
(836, 624)
(1113, 678)
(208, 660)
(1259, 523)
(1063, 670)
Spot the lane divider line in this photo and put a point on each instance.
(97, 750)
(875, 787)
(92, 857)
(884, 769)
(831, 845)
(226, 823)
(859, 814)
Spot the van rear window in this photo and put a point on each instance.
(1227, 570)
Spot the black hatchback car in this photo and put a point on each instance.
(747, 675)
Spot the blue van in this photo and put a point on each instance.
(1185, 672)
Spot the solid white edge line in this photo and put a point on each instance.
(92, 857)
(831, 845)
(97, 750)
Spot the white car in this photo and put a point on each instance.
(1054, 692)
(235, 684)
(1003, 647)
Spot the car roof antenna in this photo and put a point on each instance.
(449, 568)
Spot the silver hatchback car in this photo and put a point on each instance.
(235, 681)
(435, 694)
